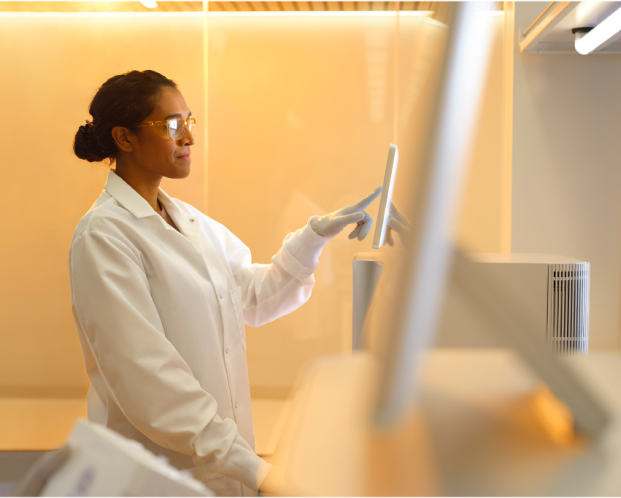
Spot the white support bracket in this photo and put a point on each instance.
(529, 43)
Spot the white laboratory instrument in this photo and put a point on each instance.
(383, 214)
(104, 463)
(554, 290)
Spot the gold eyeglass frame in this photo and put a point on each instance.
(189, 123)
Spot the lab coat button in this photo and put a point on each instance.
(226, 350)
(191, 220)
(220, 296)
(235, 405)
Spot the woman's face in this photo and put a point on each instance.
(158, 155)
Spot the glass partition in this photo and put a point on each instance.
(302, 108)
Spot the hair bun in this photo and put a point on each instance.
(86, 128)
(86, 146)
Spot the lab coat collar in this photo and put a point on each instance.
(127, 196)
(131, 200)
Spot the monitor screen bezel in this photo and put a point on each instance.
(383, 214)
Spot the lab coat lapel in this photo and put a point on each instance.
(188, 224)
(190, 227)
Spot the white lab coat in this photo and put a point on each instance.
(160, 317)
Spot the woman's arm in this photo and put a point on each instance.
(271, 291)
(144, 374)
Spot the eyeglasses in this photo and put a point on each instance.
(173, 128)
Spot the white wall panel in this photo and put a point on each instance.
(566, 174)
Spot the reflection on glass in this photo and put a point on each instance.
(301, 128)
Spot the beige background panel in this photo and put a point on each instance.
(49, 76)
(300, 113)
(420, 53)
(38, 424)
(480, 222)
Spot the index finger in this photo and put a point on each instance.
(360, 205)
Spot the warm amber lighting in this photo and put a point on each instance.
(150, 15)
(311, 13)
(554, 415)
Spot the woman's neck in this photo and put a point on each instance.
(144, 182)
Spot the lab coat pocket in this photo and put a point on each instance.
(238, 308)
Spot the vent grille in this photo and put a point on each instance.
(568, 308)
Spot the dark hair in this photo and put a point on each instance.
(123, 100)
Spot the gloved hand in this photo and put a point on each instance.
(334, 223)
(398, 223)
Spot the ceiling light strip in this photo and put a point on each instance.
(239, 14)
(322, 13)
(175, 14)
(602, 35)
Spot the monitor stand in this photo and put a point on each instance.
(368, 267)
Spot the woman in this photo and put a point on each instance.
(160, 292)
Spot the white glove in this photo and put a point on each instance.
(334, 223)
(398, 223)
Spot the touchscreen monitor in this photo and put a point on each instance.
(385, 201)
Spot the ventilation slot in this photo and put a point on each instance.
(568, 308)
